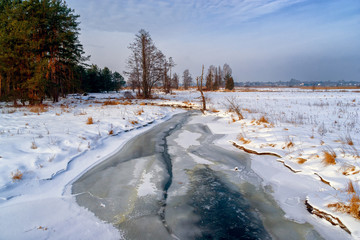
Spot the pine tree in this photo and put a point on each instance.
(229, 82)
(39, 49)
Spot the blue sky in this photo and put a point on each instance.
(262, 40)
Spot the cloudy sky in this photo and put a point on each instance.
(262, 40)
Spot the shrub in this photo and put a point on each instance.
(233, 106)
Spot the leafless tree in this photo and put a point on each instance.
(199, 83)
(145, 64)
(168, 65)
(187, 79)
(175, 81)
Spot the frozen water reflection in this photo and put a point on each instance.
(164, 184)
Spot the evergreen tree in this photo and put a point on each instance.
(229, 82)
(39, 49)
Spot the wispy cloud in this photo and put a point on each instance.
(123, 16)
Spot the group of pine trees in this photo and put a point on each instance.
(95, 79)
(217, 77)
(41, 55)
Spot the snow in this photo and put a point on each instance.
(52, 148)
(189, 139)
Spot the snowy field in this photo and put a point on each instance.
(315, 135)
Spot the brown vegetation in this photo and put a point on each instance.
(301, 160)
(263, 120)
(17, 175)
(243, 139)
(90, 121)
(39, 108)
(350, 188)
(109, 102)
(329, 158)
(133, 122)
(351, 208)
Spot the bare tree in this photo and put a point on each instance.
(199, 83)
(168, 65)
(145, 63)
(187, 79)
(175, 81)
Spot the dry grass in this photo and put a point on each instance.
(290, 144)
(111, 132)
(33, 145)
(352, 208)
(17, 175)
(39, 108)
(329, 158)
(349, 140)
(263, 120)
(133, 122)
(139, 112)
(301, 160)
(109, 102)
(213, 110)
(350, 188)
(348, 170)
(90, 121)
(242, 139)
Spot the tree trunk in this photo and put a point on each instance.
(0, 84)
(201, 90)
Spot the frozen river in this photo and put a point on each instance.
(174, 182)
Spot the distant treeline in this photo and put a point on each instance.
(298, 83)
(41, 55)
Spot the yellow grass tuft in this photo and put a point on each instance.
(17, 175)
(301, 160)
(263, 120)
(90, 121)
(329, 158)
(354, 206)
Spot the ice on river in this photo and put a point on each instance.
(177, 188)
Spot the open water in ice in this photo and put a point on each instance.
(173, 182)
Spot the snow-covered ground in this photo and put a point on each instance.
(302, 127)
(43, 150)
